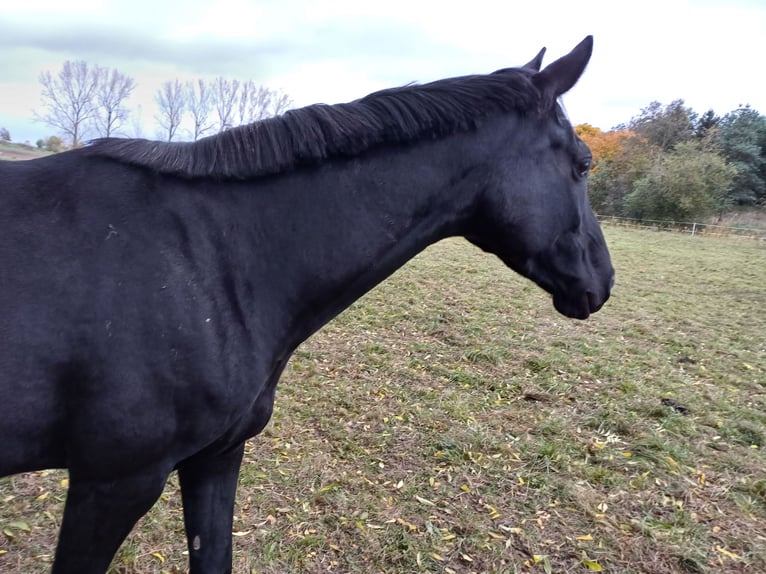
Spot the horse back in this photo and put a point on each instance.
(113, 331)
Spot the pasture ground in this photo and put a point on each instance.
(451, 421)
(16, 151)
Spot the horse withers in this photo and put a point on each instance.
(151, 293)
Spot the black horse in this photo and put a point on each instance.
(151, 293)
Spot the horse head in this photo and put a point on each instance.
(534, 212)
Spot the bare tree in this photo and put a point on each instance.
(280, 102)
(224, 94)
(69, 99)
(200, 100)
(171, 101)
(112, 91)
(136, 125)
(259, 102)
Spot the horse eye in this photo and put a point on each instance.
(583, 167)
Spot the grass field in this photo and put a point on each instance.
(16, 151)
(451, 421)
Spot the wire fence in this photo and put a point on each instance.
(691, 228)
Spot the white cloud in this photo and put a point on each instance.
(706, 52)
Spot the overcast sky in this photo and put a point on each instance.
(708, 52)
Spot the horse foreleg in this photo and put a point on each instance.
(208, 488)
(98, 515)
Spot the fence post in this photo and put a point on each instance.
(694, 228)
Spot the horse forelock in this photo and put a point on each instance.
(312, 134)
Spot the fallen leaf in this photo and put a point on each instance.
(585, 537)
(436, 556)
(159, 556)
(731, 555)
(493, 513)
(592, 565)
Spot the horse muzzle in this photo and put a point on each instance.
(580, 303)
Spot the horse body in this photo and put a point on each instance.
(147, 311)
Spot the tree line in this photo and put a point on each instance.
(83, 101)
(668, 162)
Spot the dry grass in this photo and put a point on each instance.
(17, 151)
(450, 421)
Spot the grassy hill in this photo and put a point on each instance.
(17, 151)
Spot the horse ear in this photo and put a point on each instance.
(535, 63)
(557, 78)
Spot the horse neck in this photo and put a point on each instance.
(341, 229)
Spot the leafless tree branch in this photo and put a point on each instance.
(171, 101)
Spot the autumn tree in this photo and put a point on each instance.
(53, 143)
(171, 103)
(683, 185)
(620, 158)
(69, 99)
(112, 90)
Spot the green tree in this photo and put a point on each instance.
(706, 126)
(5, 135)
(53, 143)
(665, 126)
(686, 184)
(742, 138)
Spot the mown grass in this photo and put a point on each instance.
(451, 421)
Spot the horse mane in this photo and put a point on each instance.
(309, 135)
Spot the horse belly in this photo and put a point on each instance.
(30, 427)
